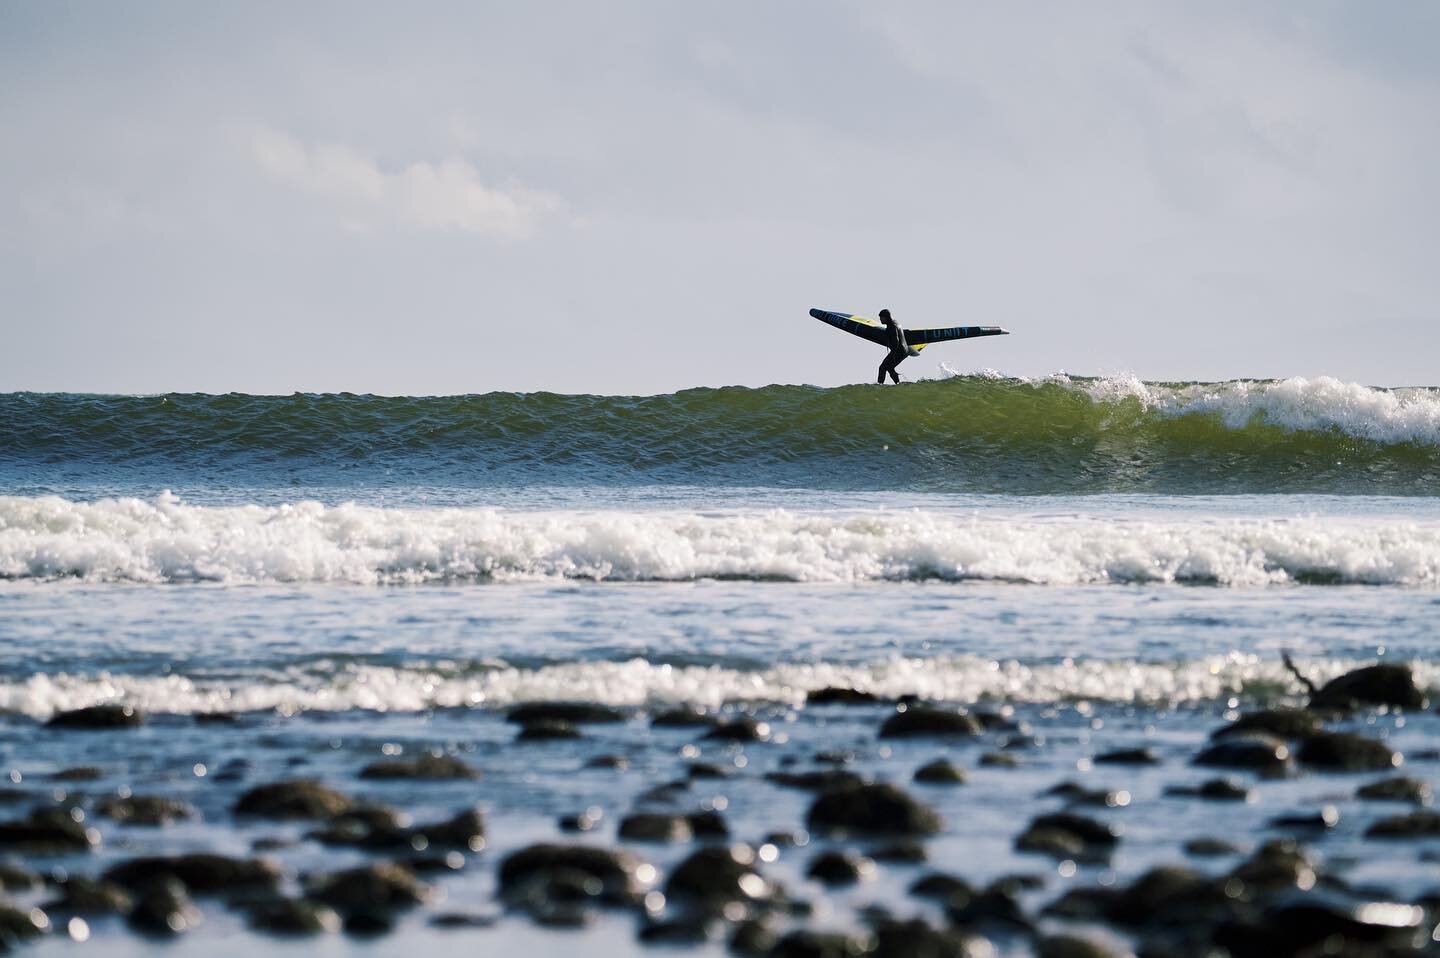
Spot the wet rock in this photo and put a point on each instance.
(708, 824)
(839, 868)
(939, 772)
(617, 762)
(14, 879)
(1128, 756)
(754, 937)
(651, 827)
(686, 929)
(1288, 724)
(1327, 817)
(804, 943)
(202, 874)
(294, 916)
(1215, 790)
(999, 760)
(297, 799)
(150, 810)
(877, 809)
(365, 826)
(835, 756)
(1172, 895)
(1398, 789)
(464, 830)
(705, 770)
(575, 713)
(1384, 684)
(740, 730)
(823, 780)
(1276, 866)
(1263, 754)
(81, 773)
(1316, 924)
(942, 887)
(581, 821)
(21, 924)
(1079, 795)
(841, 696)
(1071, 946)
(217, 718)
(89, 896)
(1067, 835)
(164, 909)
(684, 718)
(917, 939)
(1055, 842)
(1209, 847)
(617, 872)
(383, 886)
(367, 924)
(1346, 752)
(993, 906)
(547, 730)
(462, 920)
(712, 878)
(1414, 825)
(901, 853)
(49, 831)
(924, 721)
(98, 717)
(1083, 903)
(427, 766)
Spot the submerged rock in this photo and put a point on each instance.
(48, 831)
(618, 873)
(164, 909)
(383, 886)
(684, 718)
(839, 868)
(98, 717)
(89, 896)
(841, 696)
(427, 766)
(575, 713)
(297, 799)
(14, 878)
(151, 810)
(294, 916)
(823, 780)
(1128, 756)
(804, 943)
(1384, 684)
(1414, 825)
(1399, 789)
(1346, 752)
(942, 887)
(654, 827)
(200, 873)
(871, 810)
(21, 924)
(740, 730)
(1288, 724)
(939, 772)
(713, 877)
(921, 720)
(917, 939)
(1067, 835)
(547, 730)
(1264, 754)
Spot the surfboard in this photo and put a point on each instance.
(874, 330)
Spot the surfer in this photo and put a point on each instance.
(899, 349)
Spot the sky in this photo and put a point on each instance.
(638, 197)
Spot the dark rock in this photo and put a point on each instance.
(216, 718)
(1327, 817)
(1223, 790)
(1253, 752)
(14, 879)
(365, 826)
(683, 718)
(574, 713)
(740, 730)
(21, 924)
(294, 916)
(298, 799)
(920, 720)
(582, 821)
(1399, 789)
(464, 830)
(838, 868)
(823, 780)
(1128, 756)
(164, 909)
(999, 760)
(617, 762)
(835, 756)
(942, 887)
(202, 874)
(839, 696)
(614, 870)
(871, 810)
(1372, 685)
(753, 937)
(1066, 835)
(939, 772)
(49, 831)
(687, 929)
(425, 766)
(993, 906)
(1209, 847)
(1083, 903)
(1079, 795)
(1055, 842)
(1277, 866)
(1414, 825)
(713, 877)
(705, 770)
(916, 939)
(367, 924)
(547, 730)
(89, 896)
(902, 853)
(462, 920)
(804, 943)
(1346, 752)
(151, 810)
(651, 827)
(383, 886)
(1171, 895)
(82, 773)
(1324, 923)
(708, 824)
(98, 717)
(1070, 946)
(1288, 724)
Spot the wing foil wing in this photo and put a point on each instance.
(924, 337)
(855, 325)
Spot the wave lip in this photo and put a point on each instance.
(165, 540)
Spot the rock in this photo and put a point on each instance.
(871, 810)
(89, 896)
(740, 730)
(617, 762)
(651, 827)
(150, 810)
(1055, 842)
(708, 824)
(939, 772)
(1071, 946)
(921, 720)
(823, 780)
(993, 906)
(294, 916)
(714, 877)
(164, 909)
(547, 730)
(98, 717)
(365, 826)
(367, 924)
(1253, 752)
(49, 831)
(839, 868)
(464, 830)
(839, 696)
(1128, 756)
(683, 718)
(917, 939)
(298, 799)
(425, 766)
(1215, 790)
(202, 874)
(1325, 923)
(1346, 752)
(901, 852)
(1413, 825)
(617, 872)
(575, 713)
(685, 930)
(705, 770)
(1209, 847)
(1384, 684)
(82, 773)
(804, 943)
(999, 760)
(1398, 789)
(383, 886)
(14, 879)
(1170, 895)
(21, 924)
(1288, 724)
(941, 887)
(1276, 866)
(1066, 835)
(753, 937)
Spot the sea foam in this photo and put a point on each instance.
(166, 540)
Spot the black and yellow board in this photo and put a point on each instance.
(873, 330)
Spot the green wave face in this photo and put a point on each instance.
(966, 434)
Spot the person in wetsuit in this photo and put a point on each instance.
(899, 349)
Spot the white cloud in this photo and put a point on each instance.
(443, 196)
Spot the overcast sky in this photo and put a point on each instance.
(637, 197)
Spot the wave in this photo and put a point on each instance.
(331, 687)
(982, 433)
(166, 540)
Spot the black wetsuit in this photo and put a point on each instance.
(899, 350)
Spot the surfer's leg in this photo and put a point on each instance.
(880, 378)
(892, 361)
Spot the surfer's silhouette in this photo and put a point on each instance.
(899, 349)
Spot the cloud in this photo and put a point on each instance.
(444, 196)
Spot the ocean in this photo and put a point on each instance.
(296, 586)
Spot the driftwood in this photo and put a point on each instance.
(1290, 664)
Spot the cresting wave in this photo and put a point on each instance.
(640, 683)
(962, 434)
(165, 540)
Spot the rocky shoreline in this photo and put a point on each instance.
(854, 825)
